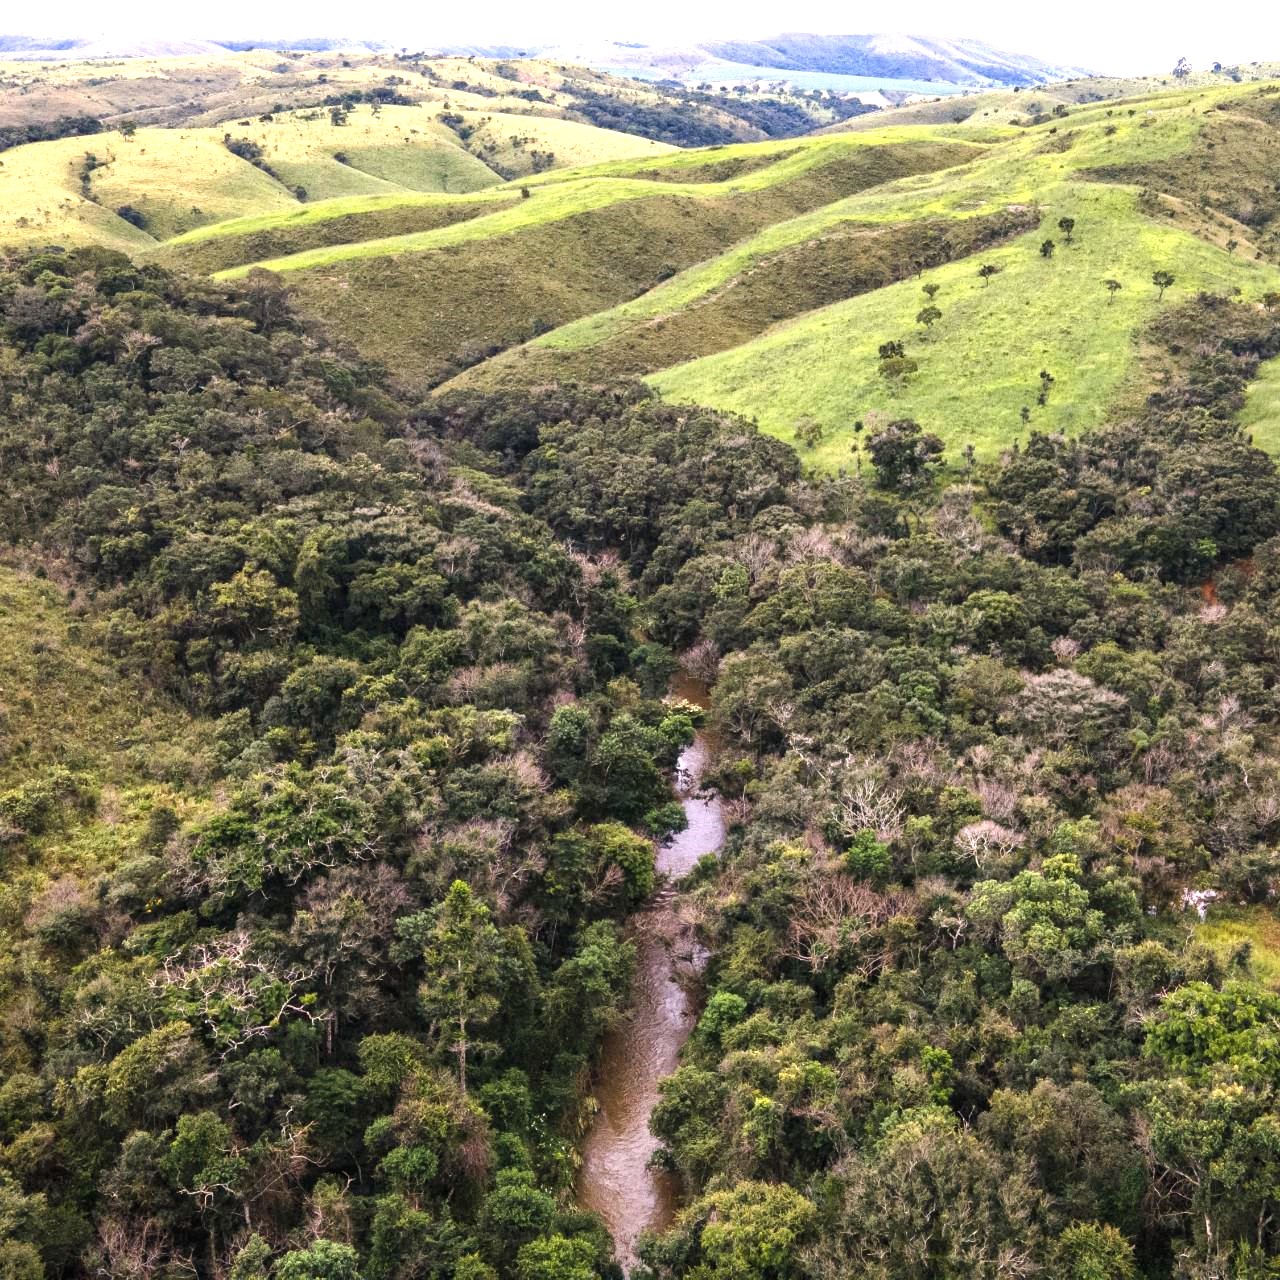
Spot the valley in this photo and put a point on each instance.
(658, 676)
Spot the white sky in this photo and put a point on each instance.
(1106, 35)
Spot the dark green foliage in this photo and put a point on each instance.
(904, 457)
(339, 972)
(329, 1008)
(17, 135)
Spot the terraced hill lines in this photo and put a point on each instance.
(790, 268)
(515, 146)
(395, 149)
(786, 325)
(172, 181)
(69, 189)
(578, 244)
(760, 276)
(227, 245)
(804, 177)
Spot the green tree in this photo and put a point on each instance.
(557, 1257)
(515, 1212)
(1162, 280)
(927, 316)
(324, 1260)
(753, 1231)
(1047, 249)
(986, 271)
(1043, 920)
(1203, 1032)
(462, 952)
(1112, 287)
(905, 457)
(1094, 1251)
(1067, 226)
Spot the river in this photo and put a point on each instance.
(615, 1180)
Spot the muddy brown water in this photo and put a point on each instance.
(615, 1179)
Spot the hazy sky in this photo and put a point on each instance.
(1107, 35)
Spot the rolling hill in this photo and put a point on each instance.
(468, 247)
(786, 326)
(173, 180)
(579, 242)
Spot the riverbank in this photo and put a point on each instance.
(615, 1179)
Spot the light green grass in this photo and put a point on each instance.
(1260, 416)
(980, 364)
(566, 195)
(508, 142)
(1015, 172)
(177, 177)
(817, 150)
(183, 180)
(330, 210)
(1227, 927)
(700, 281)
(395, 149)
(63, 705)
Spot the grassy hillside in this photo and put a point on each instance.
(68, 190)
(71, 189)
(759, 276)
(1260, 417)
(788, 269)
(106, 749)
(1230, 932)
(214, 87)
(577, 244)
(996, 106)
(370, 153)
(517, 146)
(979, 365)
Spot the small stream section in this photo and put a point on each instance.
(644, 1048)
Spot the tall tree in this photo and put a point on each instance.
(463, 952)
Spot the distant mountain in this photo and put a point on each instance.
(37, 49)
(896, 56)
(921, 61)
(907, 62)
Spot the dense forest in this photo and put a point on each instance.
(332, 1013)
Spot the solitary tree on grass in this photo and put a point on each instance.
(986, 271)
(1162, 280)
(1046, 249)
(930, 290)
(1112, 287)
(927, 315)
(1067, 226)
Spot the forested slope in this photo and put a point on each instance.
(318, 853)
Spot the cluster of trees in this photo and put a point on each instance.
(979, 741)
(690, 118)
(17, 135)
(344, 1015)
